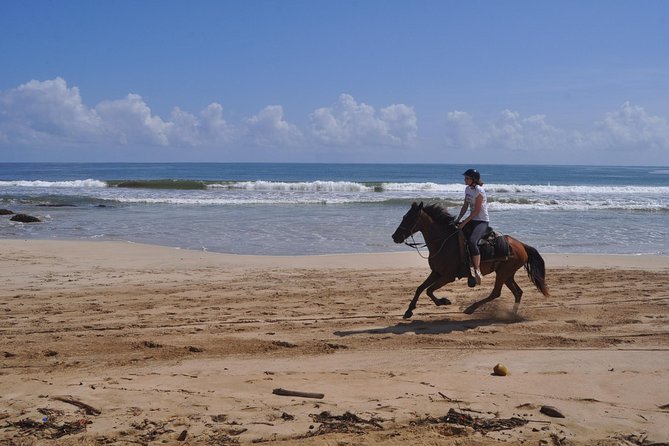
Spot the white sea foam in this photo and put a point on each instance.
(356, 187)
(452, 188)
(575, 189)
(241, 200)
(501, 197)
(422, 187)
(584, 204)
(39, 183)
(312, 186)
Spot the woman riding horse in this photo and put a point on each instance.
(445, 259)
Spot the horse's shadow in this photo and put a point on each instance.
(436, 327)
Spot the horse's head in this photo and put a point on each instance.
(409, 224)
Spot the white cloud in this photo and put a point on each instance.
(268, 128)
(206, 130)
(51, 115)
(463, 132)
(512, 132)
(509, 131)
(631, 127)
(46, 112)
(130, 120)
(213, 127)
(402, 122)
(356, 124)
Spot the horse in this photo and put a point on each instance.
(449, 261)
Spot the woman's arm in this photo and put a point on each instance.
(465, 205)
(478, 204)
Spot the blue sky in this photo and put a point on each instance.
(550, 82)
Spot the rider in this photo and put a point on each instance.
(477, 221)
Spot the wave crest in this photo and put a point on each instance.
(311, 186)
(40, 183)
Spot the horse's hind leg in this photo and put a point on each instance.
(494, 294)
(517, 292)
(412, 305)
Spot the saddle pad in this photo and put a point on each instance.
(494, 248)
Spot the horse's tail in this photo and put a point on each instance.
(536, 269)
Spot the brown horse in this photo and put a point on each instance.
(448, 262)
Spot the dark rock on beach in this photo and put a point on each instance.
(551, 411)
(6, 212)
(24, 218)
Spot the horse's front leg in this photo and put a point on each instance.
(441, 281)
(412, 305)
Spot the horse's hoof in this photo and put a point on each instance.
(408, 314)
(470, 309)
(443, 301)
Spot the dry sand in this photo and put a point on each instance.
(185, 347)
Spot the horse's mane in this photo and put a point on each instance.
(439, 214)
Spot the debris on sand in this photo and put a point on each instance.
(49, 429)
(478, 424)
(151, 429)
(345, 423)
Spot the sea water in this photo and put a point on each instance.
(295, 209)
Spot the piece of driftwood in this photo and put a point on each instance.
(285, 392)
(90, 410)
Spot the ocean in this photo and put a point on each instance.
(299, 209)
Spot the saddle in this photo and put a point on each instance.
(493, 246)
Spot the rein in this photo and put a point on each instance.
(415, 245)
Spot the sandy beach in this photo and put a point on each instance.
(120, 343)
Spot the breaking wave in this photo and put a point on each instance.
(58, 184)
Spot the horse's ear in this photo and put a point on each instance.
(420, 206)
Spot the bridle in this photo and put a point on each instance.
(415, 245)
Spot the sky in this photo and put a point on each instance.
(369, 81)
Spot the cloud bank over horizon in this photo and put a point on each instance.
(50, 116)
